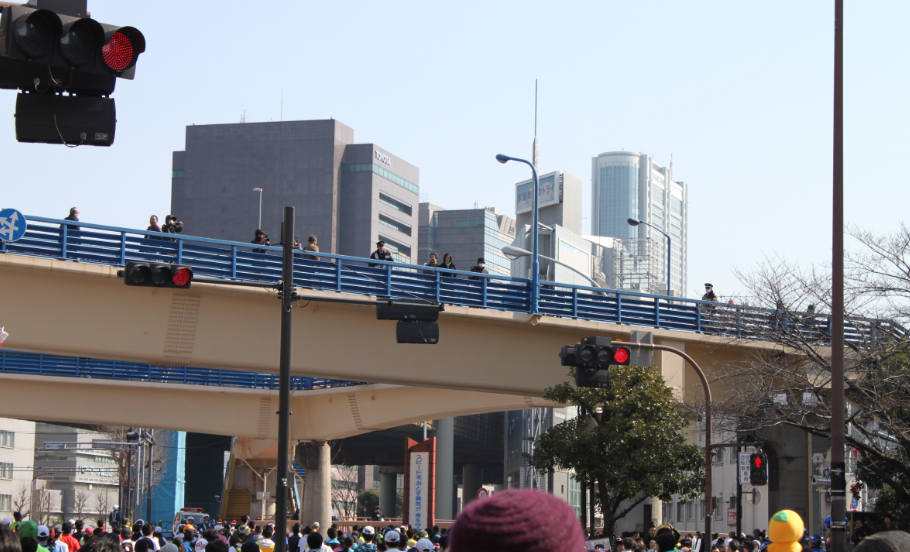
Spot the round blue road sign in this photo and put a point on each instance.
(12, 225)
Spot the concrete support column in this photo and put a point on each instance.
(472, 477)
(387, 493)
(445, 467)
(317, 496)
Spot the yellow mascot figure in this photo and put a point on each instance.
(784, 530)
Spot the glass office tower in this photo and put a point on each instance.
(631, 185)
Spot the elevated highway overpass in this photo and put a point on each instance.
(81, 309)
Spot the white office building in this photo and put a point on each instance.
(631, 185)
(17, 454)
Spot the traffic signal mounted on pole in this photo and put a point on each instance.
(758, 469)
(157, 275)
(48, 47)
(592, 358)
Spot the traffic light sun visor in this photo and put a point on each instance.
(37, 32)
(81, 41)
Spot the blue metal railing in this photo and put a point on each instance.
(12, 362)
(93, 243)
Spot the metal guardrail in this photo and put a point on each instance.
(12, 362)
(113, 246)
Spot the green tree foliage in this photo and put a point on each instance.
(632, 444)
(888, 503)
(366, 501)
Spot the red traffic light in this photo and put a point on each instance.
(756, 462)
(157, 275)
(182, 276)
(621, 355)
(122, 48)
(118, 52)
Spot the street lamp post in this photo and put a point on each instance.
(535, 262)
(636, 222)
(511, 252)
(259, 226)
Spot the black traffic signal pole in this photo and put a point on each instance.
(284, 381)
(709, 428)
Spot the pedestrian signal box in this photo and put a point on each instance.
(758, 469)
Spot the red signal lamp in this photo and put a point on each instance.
(621, 355)
(182, 276)
(122, 48)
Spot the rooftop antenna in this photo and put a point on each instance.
(282, 105)
(536, 156)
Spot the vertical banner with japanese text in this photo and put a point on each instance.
(420, 463)
(420, 484)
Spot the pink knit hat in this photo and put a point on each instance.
(519, 521)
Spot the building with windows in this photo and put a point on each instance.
(348, 195)
(466, 234)
(631, 185)
(86, 480)
(560, 200)
(17, 453)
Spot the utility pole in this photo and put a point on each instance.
(739, 497)
(148, 500)
(583, 486)
(284, 379)
(838, 428)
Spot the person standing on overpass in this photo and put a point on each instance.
(381, 253)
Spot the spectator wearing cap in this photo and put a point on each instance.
(159, 536)
(479, 267)
(172, 225)
(815, 542)
(315, 525)
(381, 253)
(512, 521)
(42, 535)
(369, 536)
(394, 541)
(424, 545)
(709, 293)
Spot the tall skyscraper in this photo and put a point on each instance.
(466, 234)
(348, 195)
(631, 185)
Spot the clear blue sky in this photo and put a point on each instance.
(739, 92)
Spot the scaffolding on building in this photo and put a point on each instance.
(638, 265)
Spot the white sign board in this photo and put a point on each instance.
(745, 468)
(419, 502)
(547, 193)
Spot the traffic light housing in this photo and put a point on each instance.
(592, 358)
(758, 469)
(48, 47)
(157, 275)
